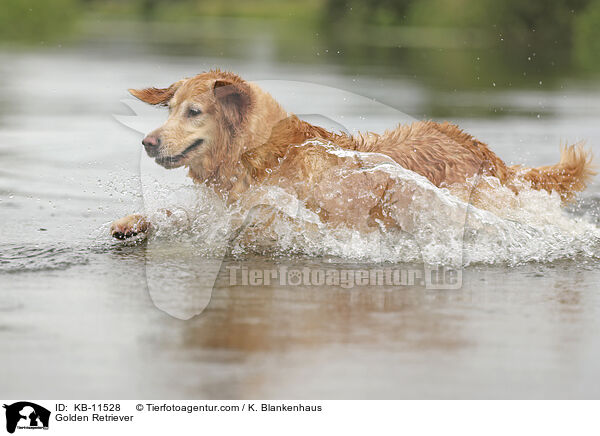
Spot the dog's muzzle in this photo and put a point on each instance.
(177, 160)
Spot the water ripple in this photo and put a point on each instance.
(27, 258)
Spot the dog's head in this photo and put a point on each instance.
(205, 113)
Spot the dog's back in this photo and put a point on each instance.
(441, 152)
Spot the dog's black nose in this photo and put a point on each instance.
(151, 141)
(151, 144)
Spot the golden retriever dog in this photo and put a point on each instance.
(236, 139)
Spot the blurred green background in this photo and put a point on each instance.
(458, 44)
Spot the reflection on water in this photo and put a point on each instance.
(524, 332)
(278, 318)
(75, 307)
(482, 341)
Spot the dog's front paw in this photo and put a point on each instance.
(129, 226)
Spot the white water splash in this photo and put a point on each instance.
(439, 228)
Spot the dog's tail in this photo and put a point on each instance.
(567, 177)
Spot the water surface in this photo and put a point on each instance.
(77, 318)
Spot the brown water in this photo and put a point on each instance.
(76, 314)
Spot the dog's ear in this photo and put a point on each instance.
(159, 96)
(234, 100)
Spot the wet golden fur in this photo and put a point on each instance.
(247, 140)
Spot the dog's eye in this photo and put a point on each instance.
(193, 112)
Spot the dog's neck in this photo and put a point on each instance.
(227, 180)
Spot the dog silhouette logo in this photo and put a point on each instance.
(26, 415)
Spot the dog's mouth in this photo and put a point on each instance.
(178, 159)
